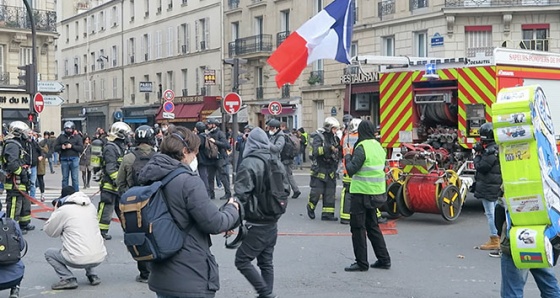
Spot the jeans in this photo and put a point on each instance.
(514, 279)
(50, 160)
(55, 158)
(259, 243)
(297, 159)
(33, 181)
(489, 208)
(70, 166)
(60, 264)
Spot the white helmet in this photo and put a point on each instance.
(353, 126)
(19, 129)
(120, 130)
(331, 122)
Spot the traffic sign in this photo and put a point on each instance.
(52, 100)
(168, 115)
(49, 86)
(38, 102)
(232, 103)
(168, 107)
(274, 108)
(169, 95)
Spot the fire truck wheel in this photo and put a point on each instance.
(450, 203)
(391, 205)
(401, 204)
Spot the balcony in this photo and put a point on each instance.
(259, 92)
(16, 17)
(498, 3)
(385, 8)
(316, 77)
(185, 92)
(286, 91)
(417, 4)
(233, 4)
(351, 70)
(251, 45)
(488, 51)
(281, 36)
(534, 44)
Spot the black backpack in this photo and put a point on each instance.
(11, 242)
(277, 191)
(290, 150)
(140, 160)
(150, 232)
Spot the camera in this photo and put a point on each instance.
(478, 147)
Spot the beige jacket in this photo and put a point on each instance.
(76, 224)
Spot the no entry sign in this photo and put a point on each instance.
(232, 103)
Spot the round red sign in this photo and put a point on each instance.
(169, 95)
(38, 102)
(274, 108)
(232, 103)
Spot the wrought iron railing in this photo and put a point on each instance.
(251, 44)
(534, 44)
(351, 70)
(416, 4)
(286, 91)
(259, 92)
(499, 3)
(385, 7)
(316, 77)
(488, 51)
(16, 17)
(281, 36)
(233, 4)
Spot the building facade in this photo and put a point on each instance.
(16, 50)
(117, 59)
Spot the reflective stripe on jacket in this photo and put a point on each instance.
(370, 178)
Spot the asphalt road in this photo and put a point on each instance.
(430, 259)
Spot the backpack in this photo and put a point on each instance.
(11, 242)
(211, 149)
(277, 191)
(291, 147)
(150, 232)
(140, 160)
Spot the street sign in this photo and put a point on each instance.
(168, 107)
(274, 108)
(52, 100)
(232, 103)
(145, 86)
(169, 95)
(49, 86)
(38, 102)
(209, 77)
(168, 115)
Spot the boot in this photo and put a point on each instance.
(14, 292)
(492, 244)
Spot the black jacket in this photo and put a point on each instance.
(488, 176)
(222, 143)
(201, 156)
(327, 162)
(112, 158)
(15, 157)
(193, 271)
(75, 140)
(34, 152)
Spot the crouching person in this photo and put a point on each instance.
(75, 221)
(11, 268)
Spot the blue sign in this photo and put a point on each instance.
(437, 40)
(431, 69)
(118, 115)
(169, 106)
(333, 111)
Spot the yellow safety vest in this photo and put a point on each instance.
(370, 179)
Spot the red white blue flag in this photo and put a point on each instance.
(328, 35)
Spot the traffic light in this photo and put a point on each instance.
(31, 118)
(27, 78)
(237, 71)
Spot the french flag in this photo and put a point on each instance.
(328, 35)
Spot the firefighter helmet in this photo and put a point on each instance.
(120, 130)
(331, 122)
(353, 126)
(70, 125)
(486, 132)
(145, 134)
(19, 129)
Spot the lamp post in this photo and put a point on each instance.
(33, 83)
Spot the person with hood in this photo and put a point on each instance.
(193, 271)
(240, 144)
(251, 183)
(203, 161)
(276, 135)
(217, 168)
(11, 275)
(366, 167)
(69, 146)
(74, 220)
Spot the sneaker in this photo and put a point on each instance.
(296, 194)
(42, 197)
(65, 284)
(495, 254)
(94, 280)
(140, 278)
(106, 236)
(28, 227)
(14, 292)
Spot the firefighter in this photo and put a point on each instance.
(113, 152)
(16, 165)
(325, 155)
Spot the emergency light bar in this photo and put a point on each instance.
(433, 98)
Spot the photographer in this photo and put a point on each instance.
(70, 145)
(488, 179)
(240, 144)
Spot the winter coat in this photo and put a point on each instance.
(12, 272)
(125, 178)
(15, 158)
(488, 176)
(277, 142)
(326, 159)
(193, 271)
(75, 140)
(34, 152)
(201, 156)
(42, 165)
(222, 143)
(51, 142)
(85, 156)
(77, 225)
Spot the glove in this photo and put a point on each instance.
(478, 147)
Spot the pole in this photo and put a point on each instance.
(33, 83)
(234, 128)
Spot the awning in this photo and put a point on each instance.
(74, 119)
(136, 120)
(242, 116)
(184, 113)
(285, 111)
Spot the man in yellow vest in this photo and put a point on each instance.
(368, 189)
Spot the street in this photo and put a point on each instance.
(430, 258)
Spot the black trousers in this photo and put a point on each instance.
(259, 243)
(143, 268)
(363, 221)
(220, 171)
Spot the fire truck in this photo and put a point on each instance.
(430, 114)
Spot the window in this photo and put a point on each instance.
(170, 84)
(102, 20)
(132, 88)
(146, 8)
(131, 10)
(170, 33)
(76, 65)
(478, 41)
(2, 60)
(87, 85)
(84, 59)
(234, 31)
(77, 29)
(202, 34)
(354, 11)
(197, 80)
(183, 39)
(535, 37)
(131, 49)
(158, 79)
(416, 4)
(65, 67)
(284, 20)
(93, 24)
(159, 40)
(421, 44)
(115, 86)
(184, 74)
(158, 6)
(67, 32)
(318, 6)
(101, 60)
(77, 92)
(93, 90)
(389, 46)
(102, 83)
(92, 55)
(86, 27)
(114, 16)
(114, 56)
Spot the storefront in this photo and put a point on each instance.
(136, 116)
(287, 114)
(14, 107)
(190, 109)
(74, 114)
(362, 95)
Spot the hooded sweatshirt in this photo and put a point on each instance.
(77, 225)
(354, 161)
